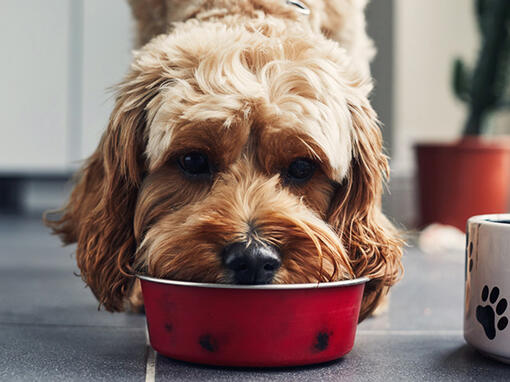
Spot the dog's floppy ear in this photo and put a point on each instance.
(355, 213)
(99, 213)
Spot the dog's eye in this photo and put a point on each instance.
(195, 163)
(301, 170)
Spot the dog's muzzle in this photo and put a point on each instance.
(252, 264)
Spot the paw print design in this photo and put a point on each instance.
(469, 256)
(489, 317)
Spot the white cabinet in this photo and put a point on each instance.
(58, 59)
(107, 44)
(34, 68)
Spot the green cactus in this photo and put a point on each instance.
(486, 88)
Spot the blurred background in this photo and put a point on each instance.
(61, 56)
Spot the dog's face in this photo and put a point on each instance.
(253, 161)
(246, 145)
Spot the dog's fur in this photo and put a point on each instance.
(254, 85)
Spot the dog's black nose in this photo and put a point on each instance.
(252, 264)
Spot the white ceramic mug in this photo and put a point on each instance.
(487, 285)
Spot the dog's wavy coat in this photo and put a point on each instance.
(242, 126)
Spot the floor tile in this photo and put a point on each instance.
(38, 281)
(429, 297)
(54, 353)
(374, 358)
(51, 328)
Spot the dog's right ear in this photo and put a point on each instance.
(99, 213)
(373, 243)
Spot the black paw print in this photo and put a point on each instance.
(486, 314)
(469, 256)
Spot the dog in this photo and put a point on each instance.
(243, 149)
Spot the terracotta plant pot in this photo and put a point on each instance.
(463, 179)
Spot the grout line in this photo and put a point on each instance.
(151, 357)
(366, 332)
(150, 366)
(67, 325)
(410, 332)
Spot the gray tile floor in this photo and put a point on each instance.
(51, 330)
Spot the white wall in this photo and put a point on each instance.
(429, 34)
(107, 44)
(34, 38)
(59, 57)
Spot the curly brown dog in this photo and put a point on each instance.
(242, 148)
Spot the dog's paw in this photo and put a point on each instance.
(469, 255)
(134, 303)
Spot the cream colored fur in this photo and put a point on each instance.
(341, 20)
(253, 87)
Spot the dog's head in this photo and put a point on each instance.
(253, 161)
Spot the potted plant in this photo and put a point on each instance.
(472, 176)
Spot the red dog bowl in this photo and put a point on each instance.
(257, 326)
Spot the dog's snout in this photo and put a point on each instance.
(252, 264)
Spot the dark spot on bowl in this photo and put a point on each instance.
(168, 327)
(322, 341)
(208, 343)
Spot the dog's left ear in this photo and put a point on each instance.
(99, 213)
(371, 241)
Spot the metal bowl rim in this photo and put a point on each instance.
(343, 283)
